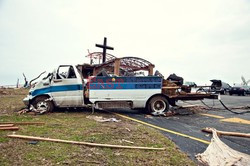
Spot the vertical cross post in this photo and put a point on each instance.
(105, 47)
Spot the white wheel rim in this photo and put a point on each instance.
(42, 105)
(158, 107)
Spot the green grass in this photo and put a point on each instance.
(76, 126)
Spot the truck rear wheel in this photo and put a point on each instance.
(158, 105)
(43, 104)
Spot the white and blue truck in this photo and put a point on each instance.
(69, 87)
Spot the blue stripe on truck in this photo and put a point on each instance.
(114, 86)
(112, 83)
(57, 89)
(108, 83)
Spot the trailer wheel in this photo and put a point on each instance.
(43, 104)
(158, 105)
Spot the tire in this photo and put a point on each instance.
(42, 103)
(244, 93)
(158, 105)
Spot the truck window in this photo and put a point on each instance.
(66, 72)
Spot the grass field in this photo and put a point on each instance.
(74, 125)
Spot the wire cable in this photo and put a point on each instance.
(231, 110)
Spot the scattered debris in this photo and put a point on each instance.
(128, 129)
(197, 109)
(33, 142)
(39, 111)
(9, 128)
(101, 119)
(169, 113)
(236, 134)
(218, 153)
(127, 141)
(23, 111)
(7, 125)
(148, 116)
(82, 143)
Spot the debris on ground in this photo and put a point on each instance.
(38, 111)
(33, 110)
(169, 113)
(148, 116)
(9, 128)
(127, 129)
(33, 142)
(82, 143)
(236, 134)
(123, 140)
(218, 153)
(197, 109)
(23, 111)
(102, 119)
(6, 125)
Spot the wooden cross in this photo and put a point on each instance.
(105, 47)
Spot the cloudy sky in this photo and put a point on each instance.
(196, 39)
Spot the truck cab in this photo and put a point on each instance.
(61, 88)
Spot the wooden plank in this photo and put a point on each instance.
(150, 70)
(9, 128)
(81, 143)
(117, 66)
(236, 134)
(24, 123)
(7, 125)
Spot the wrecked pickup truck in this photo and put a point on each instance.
(107, 86)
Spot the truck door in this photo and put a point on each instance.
(66, 87)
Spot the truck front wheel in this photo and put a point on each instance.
(158, 105)
(43, 104)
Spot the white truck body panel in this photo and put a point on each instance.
(139, 97)
(135, 89)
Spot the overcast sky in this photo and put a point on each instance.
(196, 39)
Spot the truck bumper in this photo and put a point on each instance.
(26, 100)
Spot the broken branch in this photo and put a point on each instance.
(236, 134)
(82, 143)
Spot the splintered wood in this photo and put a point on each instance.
(218, 153)
(236, 134)
(82, 143)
